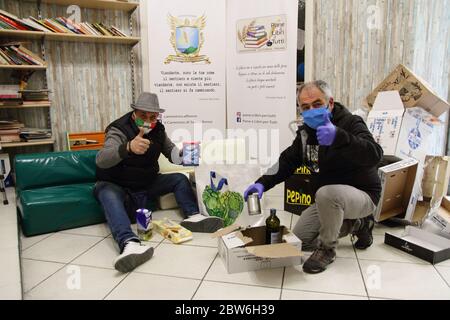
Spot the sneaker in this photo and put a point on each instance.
(319, 260)
(201, 223)
(364, 233)
(133, 255)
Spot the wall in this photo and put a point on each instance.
(90, 83)
(356, 44)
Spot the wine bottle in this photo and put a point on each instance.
(273, 229)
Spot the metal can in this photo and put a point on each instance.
(144, 224)
(253, 204)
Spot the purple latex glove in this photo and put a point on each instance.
(257, 187)
(326, 133)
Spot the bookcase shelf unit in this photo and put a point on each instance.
(128, 7)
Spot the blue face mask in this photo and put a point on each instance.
(314, 117)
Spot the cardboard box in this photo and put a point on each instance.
(414, 91)
(245, 250)
(420, 243)
(385, 119)
(397, 182)
(298, 191)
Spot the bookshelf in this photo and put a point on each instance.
(68, 37)
(44, 39)
(23, 67)
(27, 144)
(97, 4)
(27, 106)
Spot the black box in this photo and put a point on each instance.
(298, 191)
(422, 244)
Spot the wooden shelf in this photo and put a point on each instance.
(97, 4)
(22, 34)
(24, 67)
(86, 38)
(68, 37)
(27, 144)
(40, 105)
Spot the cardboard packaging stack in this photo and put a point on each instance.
(404, 121)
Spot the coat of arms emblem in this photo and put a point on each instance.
(187, 39)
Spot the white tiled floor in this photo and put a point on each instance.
(193, 270)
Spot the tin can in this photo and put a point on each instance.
(144, 224)
(253, 204)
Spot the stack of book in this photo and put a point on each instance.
(57, 25)
(9, 95)
(17, 54)
(27, 134)
(36, 96)
(10, 130)
(256, 37)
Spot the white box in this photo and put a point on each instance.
(385, 119)
(415, 139)
(245, 250)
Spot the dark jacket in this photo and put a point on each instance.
(134, 171)
(352, 159)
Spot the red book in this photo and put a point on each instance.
(12, 23)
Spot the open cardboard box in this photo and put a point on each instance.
(414, 91)
(397, 182)
(420, 243)
(245, 250)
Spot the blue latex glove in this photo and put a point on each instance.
(326, 133)
(257, 187)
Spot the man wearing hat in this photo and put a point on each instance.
(127, 168)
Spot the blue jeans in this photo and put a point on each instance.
(112, 198)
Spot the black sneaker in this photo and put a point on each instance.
(204, 224)
(364, 233)
(319, 260)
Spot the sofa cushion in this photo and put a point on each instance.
(54, 169)
(57, 208)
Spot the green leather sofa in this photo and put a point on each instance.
(55, 191)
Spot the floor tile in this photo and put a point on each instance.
(227, 291)
(27, 242)
(265, 278)
(345, 248)
(180, 261)
(381, 229)
(445, 273)
(343, 276)
(101, 255)
(9, 236)
(403, 281)
(60, 247)
(382, 252)
(76, 283)
(199, 239)
(99, 230)
(445, 263)
(173, 214)
(156, 237)
(140, 286)
(10, 278)
(34, 272)
(304, 295)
